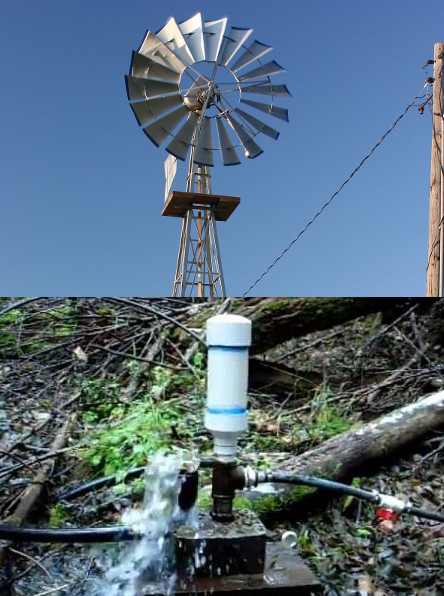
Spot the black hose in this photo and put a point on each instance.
(107, 481)
(360, 493)
(435, 516)
(88, 487)
(290, 478)
(186, 499)
(67, 535)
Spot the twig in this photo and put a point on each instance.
(159, 314)
(36, 460)
(393, 323)
(35, 561)
(57, 589)
(18, 305)
(139, 358)
(5, 450)
(310, 345)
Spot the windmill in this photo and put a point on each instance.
(189, 87)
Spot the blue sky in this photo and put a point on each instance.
(81, 186)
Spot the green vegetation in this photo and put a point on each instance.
(100, 399)
(8, 336)
(57, 516)
(364, 532)
(127, 432)
(326, 420)
(40, 332)
(306, 546)
(372, 322)
(130, 441)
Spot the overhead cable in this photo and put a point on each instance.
(336, 193)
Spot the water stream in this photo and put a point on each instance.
(147, 565)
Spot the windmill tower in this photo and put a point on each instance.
(186, 82)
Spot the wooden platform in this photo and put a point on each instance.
(179, 202)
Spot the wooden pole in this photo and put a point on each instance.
(435, 254)
(199, 240)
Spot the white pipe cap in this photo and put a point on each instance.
(228, 330)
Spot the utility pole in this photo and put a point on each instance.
(436, 236)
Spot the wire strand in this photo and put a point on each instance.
(336, 193)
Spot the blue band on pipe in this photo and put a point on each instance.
(231, 411)
(228, 348)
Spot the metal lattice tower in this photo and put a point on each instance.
(185, 81)
(199, 263)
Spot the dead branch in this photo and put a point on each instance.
(34, 490)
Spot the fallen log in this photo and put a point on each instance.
(340, 456)
(272, 377)
(276, 320)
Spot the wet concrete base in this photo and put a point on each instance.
(219, 549)
(285, 573)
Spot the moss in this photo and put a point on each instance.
(273, 306)
(271, 505)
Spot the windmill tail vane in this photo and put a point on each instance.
(189, 88)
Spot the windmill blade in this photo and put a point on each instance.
(245, 137)
(266, 70)
(154, 48)
(267, 88)
(172, 37)
(145, 68)
(160, 129)
(258, 124)
(203, 153)
(229, 155)
(270, 109)
(252, 53)
(145, 111)
(182, 139)
(138, 89)
(233, 41)
(193, 34)
(213, 32)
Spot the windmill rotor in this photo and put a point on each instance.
(190, 85)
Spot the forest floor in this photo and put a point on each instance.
(116, 380)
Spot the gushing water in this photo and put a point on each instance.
(147, 565)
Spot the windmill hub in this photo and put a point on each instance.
(210, 81)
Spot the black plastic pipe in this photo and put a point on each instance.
(88, 487)
(435, 516)
(186, 499)
(67, 535)
(300, 479)
(360, 493)
(107, 481)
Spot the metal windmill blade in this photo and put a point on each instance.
(186, 85)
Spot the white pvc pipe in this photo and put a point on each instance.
(228, 341)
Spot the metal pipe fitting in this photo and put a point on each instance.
(227, 478)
